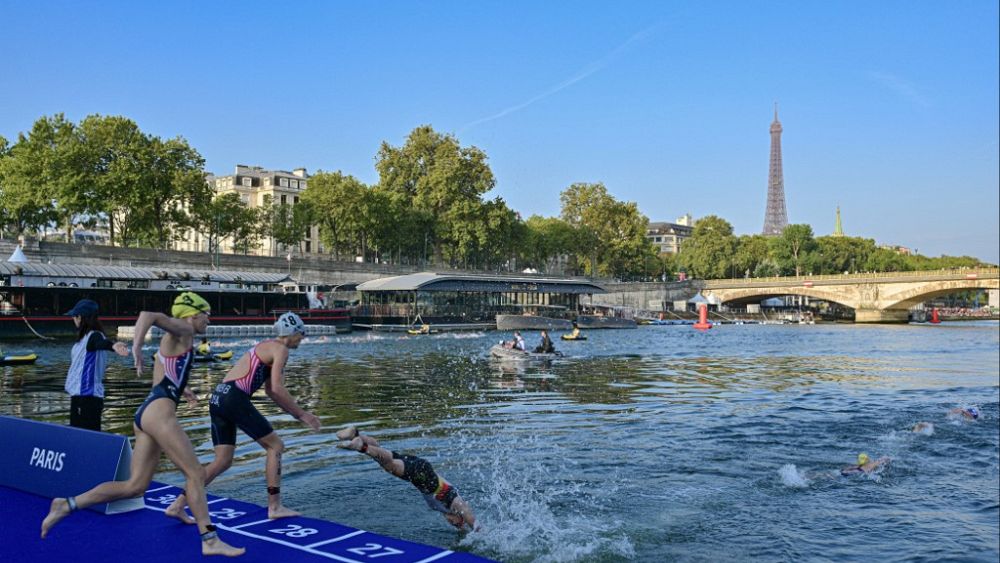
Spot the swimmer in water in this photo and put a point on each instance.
(923, 428)
(865, 465)
(439, 494)
(969, 413)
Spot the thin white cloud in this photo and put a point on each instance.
(582, 74)
(902, 87)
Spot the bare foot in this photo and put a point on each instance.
(348, 433)
(58, 510)
(176, 510)
(216, 546)
(281, 512)
(356, 444)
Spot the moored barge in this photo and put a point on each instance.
(34, 297)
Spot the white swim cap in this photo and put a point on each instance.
(290, 323)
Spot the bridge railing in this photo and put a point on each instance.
(962, 273)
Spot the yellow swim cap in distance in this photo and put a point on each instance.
(862, 458)
(189, 304)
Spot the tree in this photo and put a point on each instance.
(609, 233)
(547, 238)
(583, 208)
(338, 205)
(225, 217)
(440, 180)
(287, 223)
(791, 248)
(46, 170)
(114, 145)
(709, 253)
(751, 251)
(174, 176)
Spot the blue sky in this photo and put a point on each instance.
(889, 109)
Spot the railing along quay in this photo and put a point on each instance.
(877, 277)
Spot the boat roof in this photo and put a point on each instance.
(127, 273)
(431, 281)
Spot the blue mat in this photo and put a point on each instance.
(147, 536)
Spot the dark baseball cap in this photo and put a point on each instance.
(83, 308)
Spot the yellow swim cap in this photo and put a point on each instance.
(189, 304)
(862, 458)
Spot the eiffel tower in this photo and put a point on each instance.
(776, 218)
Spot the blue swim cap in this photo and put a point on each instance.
(974, 412)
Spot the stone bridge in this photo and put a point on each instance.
(875, 298)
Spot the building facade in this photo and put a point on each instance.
(256, 186)
(667, 237)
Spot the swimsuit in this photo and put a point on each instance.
(438, 493)
(175, 377)
(230, 405)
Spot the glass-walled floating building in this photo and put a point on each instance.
(452, 299)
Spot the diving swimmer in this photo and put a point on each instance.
(438, 493)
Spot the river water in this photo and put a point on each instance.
(661, 443)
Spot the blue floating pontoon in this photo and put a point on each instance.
(148, 536)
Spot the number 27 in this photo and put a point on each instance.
(374, 547)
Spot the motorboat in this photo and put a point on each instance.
(505, 353)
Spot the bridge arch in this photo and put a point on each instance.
(758, 294)
(913, 296)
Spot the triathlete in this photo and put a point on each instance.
(438, 493)
(968, 413)
(231, 408)
(156, 426)
(865, 465)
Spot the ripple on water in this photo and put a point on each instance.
(660, 443)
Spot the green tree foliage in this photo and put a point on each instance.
(115, 146)
(610, 235)
(104, 170)
(793, 248)
(751, 252)
(838, 255)
(287, 223)
(175, 179)
(25, 202)
(339, 205)
(710, 251)
(546, 239)
(440, 180)
(227, 217)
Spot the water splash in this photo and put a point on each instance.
(792, 477)
(536, 515)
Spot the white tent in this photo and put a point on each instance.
(711, 299)
(18, 256)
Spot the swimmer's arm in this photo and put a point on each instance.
(191, 398)
(275, 389)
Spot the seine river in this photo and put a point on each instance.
(661, 443)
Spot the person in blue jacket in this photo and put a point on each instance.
(88, 360)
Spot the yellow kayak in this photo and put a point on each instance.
(220, 357)
(571, 337)
(18, 360)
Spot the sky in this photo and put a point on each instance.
(890, 109)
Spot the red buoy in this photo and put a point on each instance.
(702, 323)
(934, 316)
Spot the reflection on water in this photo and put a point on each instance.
(653, 444)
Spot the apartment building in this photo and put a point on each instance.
(667, 237)
(255, 186)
